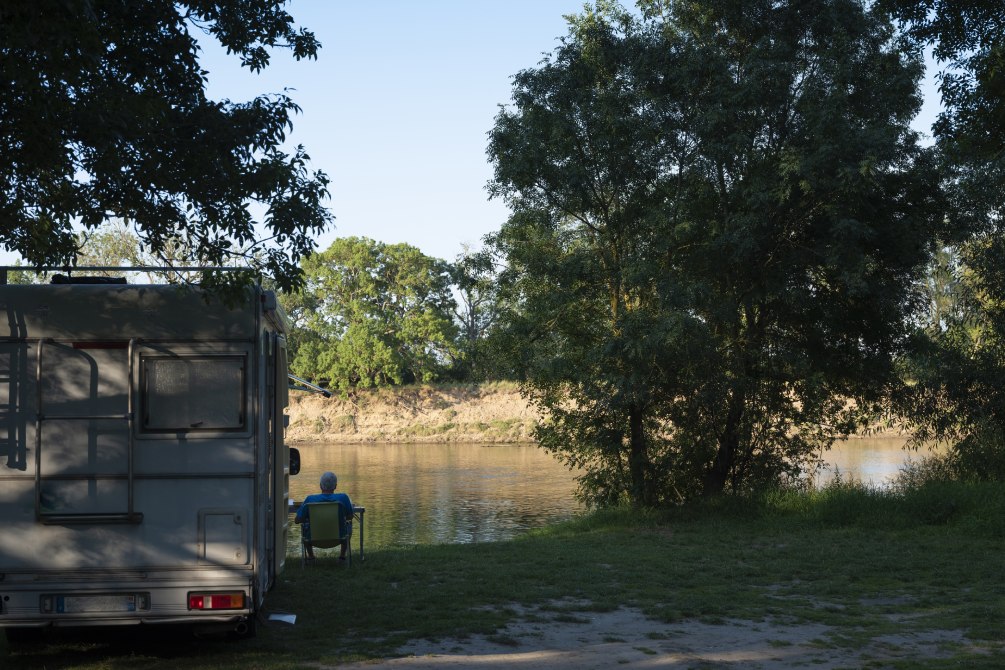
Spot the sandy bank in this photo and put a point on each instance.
(463, 413)
(468, 413)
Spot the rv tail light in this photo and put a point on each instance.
(216, 601)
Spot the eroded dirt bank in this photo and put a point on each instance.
(469, 413)
(484, 413)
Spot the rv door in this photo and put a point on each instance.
(280, 454)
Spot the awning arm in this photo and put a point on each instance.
(304, 385)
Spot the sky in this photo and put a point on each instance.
(397, 107)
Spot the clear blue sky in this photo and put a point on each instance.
(397, 106)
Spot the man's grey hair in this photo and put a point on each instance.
(329, 481)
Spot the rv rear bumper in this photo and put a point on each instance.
(81, 623)
(71, 606)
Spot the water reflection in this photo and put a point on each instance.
(444, 493)
(459, 493)
(874, 461)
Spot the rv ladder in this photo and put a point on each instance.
(130, 515)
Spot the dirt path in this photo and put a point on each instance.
(626, 638)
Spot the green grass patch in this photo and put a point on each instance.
(425, 429)
(344, 423)
(866, 564)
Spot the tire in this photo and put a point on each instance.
(25, 635)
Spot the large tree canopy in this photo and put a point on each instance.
(103, 115)
(719, 215)
(372, 314)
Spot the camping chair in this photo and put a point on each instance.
(329, 528)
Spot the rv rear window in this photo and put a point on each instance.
(193, 393)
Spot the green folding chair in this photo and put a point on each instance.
(329, 528)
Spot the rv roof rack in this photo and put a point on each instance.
(4, 269)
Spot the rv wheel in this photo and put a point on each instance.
(25, 635)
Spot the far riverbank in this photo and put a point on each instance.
(492, 413)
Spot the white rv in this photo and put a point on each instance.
(143, 474)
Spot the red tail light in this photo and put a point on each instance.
(216, 601)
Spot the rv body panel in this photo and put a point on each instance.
(141, 455)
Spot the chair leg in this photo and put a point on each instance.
(306, 558)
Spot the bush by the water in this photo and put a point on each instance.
(936, 490)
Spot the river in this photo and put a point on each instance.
(460, 493)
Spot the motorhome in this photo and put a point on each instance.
(143, 473)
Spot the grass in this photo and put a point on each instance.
(866, 564)
(487, 432)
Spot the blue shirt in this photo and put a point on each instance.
(303, 514)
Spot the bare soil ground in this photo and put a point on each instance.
(626, 638)
(493, 413)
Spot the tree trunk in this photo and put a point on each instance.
(729, 444)
(638, 460)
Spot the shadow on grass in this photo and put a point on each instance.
(117, 646)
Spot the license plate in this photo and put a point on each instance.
(107, 603)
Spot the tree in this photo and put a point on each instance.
(720, 219)
(372, 314)
(474, 275)
(942, 288)
(111, 245)
(960, 368)
(969, 40)
(104, 116)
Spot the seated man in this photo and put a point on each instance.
(328, 483)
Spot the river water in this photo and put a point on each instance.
(460, 493)
(443, 493)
